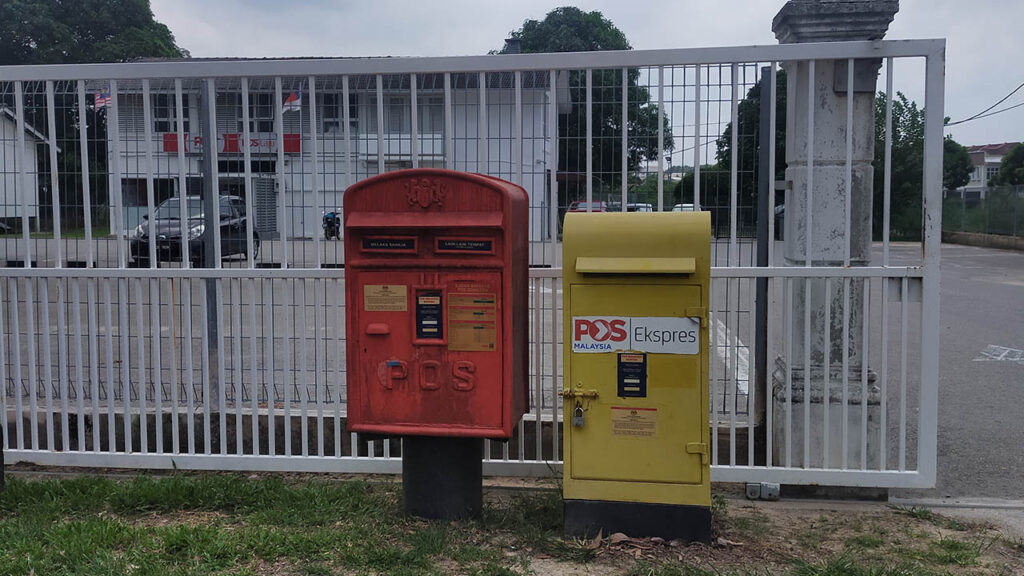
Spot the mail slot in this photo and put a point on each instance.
(635, 394)
(437, 298)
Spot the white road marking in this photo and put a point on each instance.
(993, 353)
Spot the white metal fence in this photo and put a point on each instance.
(115, 354)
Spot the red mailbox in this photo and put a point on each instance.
(436, 286)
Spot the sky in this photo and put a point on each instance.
(983, 51)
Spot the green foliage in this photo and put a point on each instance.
(73, 31)
(907, 174)
(956, 164)
(570, 29)
(1011, 169)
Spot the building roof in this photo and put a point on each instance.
(993, 149)
(5, 111)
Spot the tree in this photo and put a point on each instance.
(570, 29)
(1011, 169)
(67, 32)
(956, 164)
(74, 31)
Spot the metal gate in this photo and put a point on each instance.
(115, 353)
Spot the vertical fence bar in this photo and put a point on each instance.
(143, 382)
(865, 338)
(807, 372)
(154, 297)
(237, 380)
(114, 185)
(731, 379)
(94, 361)
(147, 123)
(624, 176)
(826, 398)
(734, 165)
(250, 213)
(810, 175)
(22, 162)
(315, 171)
(268, 353)
(176, 377)
(179, 116)
(254, 402)
(538, 389)
(289, 338)
(788, 314)
(33, 359)
(282, 192)
(887, 175)
(380, 124)
(346, 116)
(189, 379)
(204, 361)
(5, 437)
(751, 381)
(339, 346)
(414, 144)
(555, 439)
(83, 145)
(76, 307)
(903, 374)
(303, 371)
(109, 341)
(483, 137)
(772, 97)
(19, 426)
(696, 138)
(552, 167)
(449, 131)
(935, 78)
(319, 331)
(846, 372)
(661, 138)
(517, 130)
(51, 124)
(44, 333)
(590, 140)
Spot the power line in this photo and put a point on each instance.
(980, 114)
(987, 115)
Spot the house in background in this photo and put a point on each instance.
(12, 203)
(985, 159)
(343, 154)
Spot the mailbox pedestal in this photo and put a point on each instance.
(635, 396)
(437, 316)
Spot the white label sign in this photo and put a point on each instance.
(654, 334)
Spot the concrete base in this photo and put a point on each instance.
(825, 452)
(585, 518)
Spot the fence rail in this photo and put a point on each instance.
(141, 328)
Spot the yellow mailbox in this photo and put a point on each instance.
(635, 392)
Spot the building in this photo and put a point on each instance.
(378, 134)
(12, 202)
(985, 160)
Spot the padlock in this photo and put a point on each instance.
(577, 416)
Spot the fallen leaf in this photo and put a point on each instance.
(617, 537)
(596, 542)
(657, 540)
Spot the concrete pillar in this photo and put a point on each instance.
(823, 165)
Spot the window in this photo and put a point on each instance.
(397, 115)
(261, 113)
(330, 112)
(165, 113)
(990, 172)
(431, 115)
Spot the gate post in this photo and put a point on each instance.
(816, 157)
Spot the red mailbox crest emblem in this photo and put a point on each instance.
(425, 191)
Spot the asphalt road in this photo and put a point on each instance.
(981, 400)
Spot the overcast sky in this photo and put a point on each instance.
(984, 39)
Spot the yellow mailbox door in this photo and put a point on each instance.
(642, 436)
(636, 391)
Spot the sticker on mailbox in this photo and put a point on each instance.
(654, 334)
(636, 422)
(385, 298)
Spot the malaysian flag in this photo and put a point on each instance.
(102, 98)
(293, 103)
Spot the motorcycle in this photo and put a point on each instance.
(332, 224)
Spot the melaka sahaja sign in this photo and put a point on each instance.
(234, 143)
(654, 334)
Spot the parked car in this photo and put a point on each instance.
(635, 207)
(168, 231)
(581, 206)
(683, 208)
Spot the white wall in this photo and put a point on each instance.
(13, 191)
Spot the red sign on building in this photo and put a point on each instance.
(234, 143)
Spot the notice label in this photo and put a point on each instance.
(385, 298)
(472, 322)
(654, 334)
(636, 422)
(382, 244)
(464, 245)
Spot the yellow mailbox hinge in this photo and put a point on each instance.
(699, 448)
(696, 312)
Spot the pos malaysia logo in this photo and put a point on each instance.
(657, 334)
